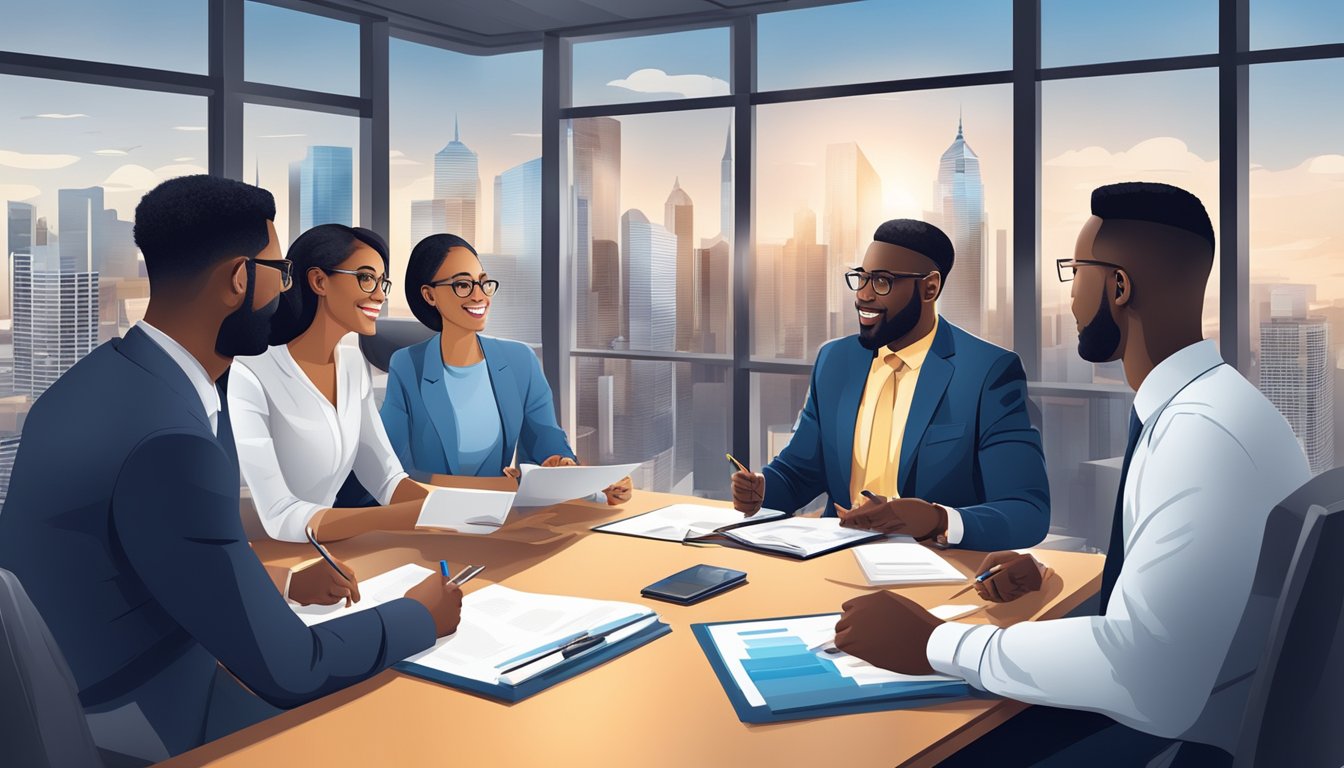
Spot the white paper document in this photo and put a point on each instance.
(799, 536)
(677, 522)
(547, 486)
(824, 641)
(905, 562)
(500, 627)
(465, 510)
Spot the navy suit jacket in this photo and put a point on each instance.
(419, 417)
(122, 523)
(968, 441)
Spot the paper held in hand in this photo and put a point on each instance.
(547, 486)
(465, 510)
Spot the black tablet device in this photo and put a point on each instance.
(694, 584)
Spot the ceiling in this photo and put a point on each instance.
(515, 24)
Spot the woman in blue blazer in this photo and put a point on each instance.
(460, 402)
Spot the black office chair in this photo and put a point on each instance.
(41, 719)
(393, 333)
(1296, 705)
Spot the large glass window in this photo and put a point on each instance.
(652, 67)
(162, 34)
(1284, 23)
(1087, 33)
(1297, 245)
(829, 173)
(882, 40)
(300, 50)
(308, 160)
(466, 159)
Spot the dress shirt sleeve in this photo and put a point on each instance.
(376, 464)
(956, 528)
(1151, 662)
(282, 514)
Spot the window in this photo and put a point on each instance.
(829, 173)
(652, 67)
(1297, 239)
(308, 160)
(163, 34)
(1087, 33)
(882, 40)
(1284, 23)
(466, 159)
(300, 50)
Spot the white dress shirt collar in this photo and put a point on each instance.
(1171, 375)
(200, 380)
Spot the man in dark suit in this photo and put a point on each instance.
(926, 417)
(122, 520)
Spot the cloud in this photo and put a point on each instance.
(54, 116)
(165, 172)
(282, 136)
(183, 159)
(113, 152)
(35, 162)
(1326, 164)
(189, 128)
(18, 191)
(137, 178)
(535, 135)
(397, 157)
(658, 81)
(1162, 154)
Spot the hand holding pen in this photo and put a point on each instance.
(323, 584)
(1006, 576)
(748, 488)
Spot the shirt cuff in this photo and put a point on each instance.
(956, 530)
(957, 649)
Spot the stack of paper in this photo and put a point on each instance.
(678, 522)
(501, 627)
(799, 536)
(548, 486)
(465, 510)
(905, 562)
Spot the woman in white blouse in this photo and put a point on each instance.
(303, 411)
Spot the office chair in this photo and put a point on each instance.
(393, 333)
(1294, 710)
(41, 719)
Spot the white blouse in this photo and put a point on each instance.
(294, 449)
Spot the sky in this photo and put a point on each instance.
(1161, 126)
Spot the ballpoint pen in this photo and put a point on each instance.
(443, 569)
(977, 580)
(467, 574)
(737, 463)
(573, 644)
(321, 550)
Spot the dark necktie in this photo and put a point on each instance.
(1115, 553)
(223, 427)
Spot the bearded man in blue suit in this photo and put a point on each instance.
(912, 425)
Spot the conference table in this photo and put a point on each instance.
(658, 705)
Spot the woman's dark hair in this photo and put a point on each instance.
(324, 247)
(426, 258)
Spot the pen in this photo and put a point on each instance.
(977, 580)
(737, 463)
(869, 495)
(575, 644)
(443, 568)
(467, 574)
(321, 550)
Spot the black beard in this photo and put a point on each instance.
(1100, 338)
(246, 331)
(893, 328)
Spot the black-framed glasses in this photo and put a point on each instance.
(1067, 268)
(368, 281)
(882, 280)
(463, 287)
(285, 266)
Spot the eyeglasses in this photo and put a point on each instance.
(368, 282)
(1066, 268)
(463, 287)
(285, 266)
(881, 280)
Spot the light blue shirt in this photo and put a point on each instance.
(480, 435)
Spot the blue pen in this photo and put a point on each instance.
(443, 568)
(978, 580)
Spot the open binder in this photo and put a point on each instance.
(768, 531)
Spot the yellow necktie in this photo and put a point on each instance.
(879, 471)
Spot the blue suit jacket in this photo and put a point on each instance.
(419, 416)
(968, 440)
(122, 523)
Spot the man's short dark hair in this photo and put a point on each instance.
(187, 225)
(1154, 203)
(426, 258)
(920, 237)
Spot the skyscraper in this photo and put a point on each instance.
(1296, 376)
(679, 219)
(726, 188)
(80, 212)
(457, 179)
(596, 168)
(961, 197)
(806, 287)
(649, 255)
(22, 231)
(516, 262)
(327, 187)
(55, 318)
(853, 211)
(295, 200)
(429, 217)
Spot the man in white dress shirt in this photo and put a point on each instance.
(1207, 460)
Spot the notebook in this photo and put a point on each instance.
(905, 562)
(769, 530)
(678, 522)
